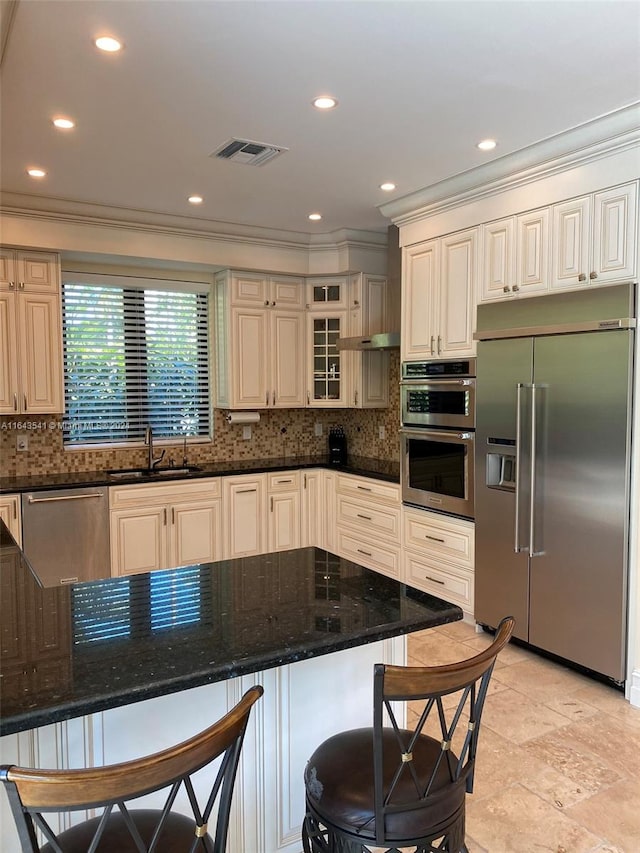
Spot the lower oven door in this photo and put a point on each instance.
(437, 469)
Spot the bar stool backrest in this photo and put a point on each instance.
(33, 792)
(446, 696)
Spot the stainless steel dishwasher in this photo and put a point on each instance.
(65, 534)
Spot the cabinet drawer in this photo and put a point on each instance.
(441, 579)
(283, 481)
(370, 518)
(437, 537)
(373, 556)
(157, 494)
(365, 487)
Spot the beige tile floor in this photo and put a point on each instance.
(558, 764)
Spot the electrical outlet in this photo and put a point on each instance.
(22, 442)
(246, 432)
(318, 430)
(381, 432)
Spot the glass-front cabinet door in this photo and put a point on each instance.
(328, 366)
(327, 293)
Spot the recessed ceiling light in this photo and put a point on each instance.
(195, 199)
(109, 44)
(325, 102)
(36, 173)
(315, 216)
(387, 186)
(487, 145)
(64, 123)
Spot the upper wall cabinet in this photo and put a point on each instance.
(438, 297)
(516, 255)
(259, 341)
(31, 367)
(595, 238)
(369, 371)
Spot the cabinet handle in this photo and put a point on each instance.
(15, 402)
(366, 553)
(355, 398)
(15, 509)
(245, 491)
(308, 398)
(173, 515)
(12, 284)
(84, 497)
(434, 580)
(64, 581)
(266, 302)
(272, 504)
(439, 343)
(506, 288)
(274, 398)
(593, 275)
(164, 516)
(582, 277)
(273, 304)
(516, 288)
(21, 285)
(432, 343)
(434, 538)
(304, 478)
(283, 481)
(366, 517)
(364, 488)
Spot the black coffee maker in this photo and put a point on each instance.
(337, 446)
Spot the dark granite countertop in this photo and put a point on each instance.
(380, 469)
(74, 650)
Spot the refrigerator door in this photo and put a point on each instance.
(501, 574)
(578, 582)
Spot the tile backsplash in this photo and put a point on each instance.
(281, 432)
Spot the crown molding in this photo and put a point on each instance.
(81, 213)
(587, 142)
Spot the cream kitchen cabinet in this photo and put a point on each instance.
(328, 367)
(260, 341)
(11, 514)
(314, 517)
(438, 555)
(284, 513)
(245, 527)
(368, 371)
(594, 238)
(31, 367)
(368, 523)
(438, 297)
(164, 525)
(516, 255)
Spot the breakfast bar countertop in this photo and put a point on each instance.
(364, 466)
(69, 651)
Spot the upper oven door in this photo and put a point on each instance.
(438, 402)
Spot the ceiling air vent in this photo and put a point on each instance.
(247, 152)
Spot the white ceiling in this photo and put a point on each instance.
(418, 83)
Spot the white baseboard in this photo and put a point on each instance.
(634, 690)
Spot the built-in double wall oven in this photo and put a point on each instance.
(437, 434)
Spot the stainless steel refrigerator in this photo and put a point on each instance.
(553, 436)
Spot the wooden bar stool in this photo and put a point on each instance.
(32, 793)
(392, 787)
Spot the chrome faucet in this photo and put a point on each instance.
(148, 439)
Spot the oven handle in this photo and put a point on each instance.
(440, 383)
(440, 435)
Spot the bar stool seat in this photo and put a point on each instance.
(391, 787)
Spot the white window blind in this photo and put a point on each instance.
(134, 355)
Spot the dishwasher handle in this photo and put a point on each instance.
(33, 500)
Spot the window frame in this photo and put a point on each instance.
(121, 282)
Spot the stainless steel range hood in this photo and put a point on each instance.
(381, 341)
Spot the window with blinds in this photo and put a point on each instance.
(134, 355)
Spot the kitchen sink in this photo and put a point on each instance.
(140, 473)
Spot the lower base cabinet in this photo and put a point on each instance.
(438, 555)
(164, 525)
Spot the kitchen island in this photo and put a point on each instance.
(101, 672)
